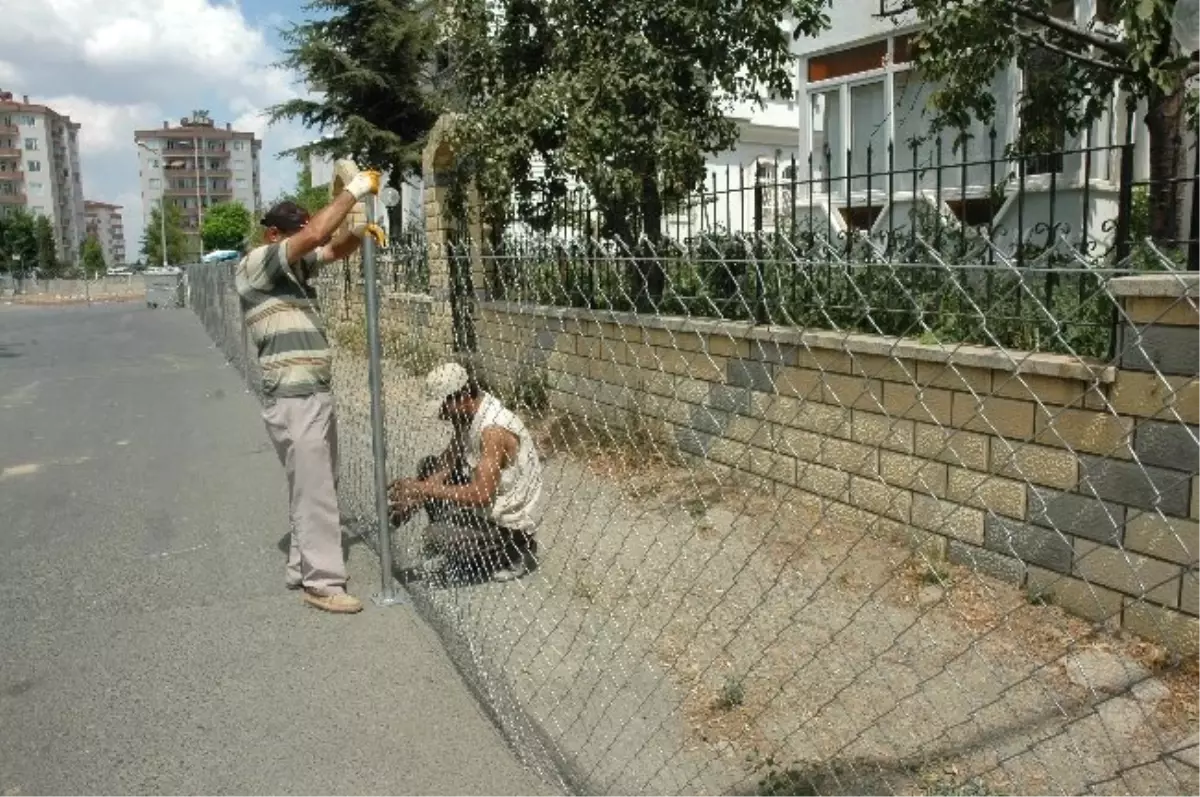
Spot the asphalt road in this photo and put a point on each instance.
(147, 644)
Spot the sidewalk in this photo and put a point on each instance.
(149, 645)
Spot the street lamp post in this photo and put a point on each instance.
(162, 206)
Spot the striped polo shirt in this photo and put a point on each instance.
(284, 321)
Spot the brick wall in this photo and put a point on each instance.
(1077, 479)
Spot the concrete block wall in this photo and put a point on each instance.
(1076, 479)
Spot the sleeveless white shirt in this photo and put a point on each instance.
(521, 480)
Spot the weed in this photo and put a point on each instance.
(936, 575)
(1037, 597)
(530, 390)
(733, 693)
(951, 785)
(585, 588)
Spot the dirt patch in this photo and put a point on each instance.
(691, 630)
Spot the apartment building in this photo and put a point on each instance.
(195, 165)
(104, 221)
(39, 169)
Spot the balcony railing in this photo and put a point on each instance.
(10, 152)
(9, 130)
(12, 177)
(12, 199)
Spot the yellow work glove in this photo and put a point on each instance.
(363, 183)
(374, 230)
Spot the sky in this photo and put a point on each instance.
(115, 67)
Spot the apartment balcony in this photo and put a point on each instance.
(12, 177)
(193, 173)
(12, 199)
(9, 130)
(10, 152)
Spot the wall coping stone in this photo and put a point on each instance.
(406, 297)
(1163, 285)
(961, 354)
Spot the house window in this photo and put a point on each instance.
(868, 135)
(848, 62)
(827, 141)
(239, 165)
(241, 183)
(154, 163)
(31, 144)
(1041, 127)
(239, 145)
(29, 120)
(33, 166)
(155, 183)
(34, 188)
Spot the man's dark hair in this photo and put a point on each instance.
(287, 217)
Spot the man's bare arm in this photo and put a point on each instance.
(499, 446)
(345, 245)
(327, 219)
(319, 228)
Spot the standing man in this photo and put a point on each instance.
(283, 319)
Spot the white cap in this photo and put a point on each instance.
(441, 383)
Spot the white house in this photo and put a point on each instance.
(858, 93)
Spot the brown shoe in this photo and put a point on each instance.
(338, 603)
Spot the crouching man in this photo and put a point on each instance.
(481, 492)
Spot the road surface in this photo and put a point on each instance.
(148, 644)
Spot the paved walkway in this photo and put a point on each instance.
(148, 644)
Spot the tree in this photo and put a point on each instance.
(47, 248)
(91, 256)
(306, 195)
(1075, 71)
(18, 236)
(628, 96)
(177, 249)
(372, 62)
(227, 225)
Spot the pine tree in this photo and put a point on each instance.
(372, 62)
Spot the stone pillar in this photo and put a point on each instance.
(442, 231)
(1158, 386)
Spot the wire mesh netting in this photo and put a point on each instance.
(815, 518)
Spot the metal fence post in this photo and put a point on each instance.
(387, 595)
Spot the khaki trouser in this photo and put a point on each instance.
(304, 432)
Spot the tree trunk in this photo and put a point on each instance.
(1169, 182)
(653, 277)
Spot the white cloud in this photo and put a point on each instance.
(106, 127)
(9, 74)
(115, 68)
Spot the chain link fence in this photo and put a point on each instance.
(817, 518)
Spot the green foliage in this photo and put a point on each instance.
(370, 60)
(91, 257)
(311, 198)
(626, 97)
(1073, 74)
(227, 225)
(18, 236)
(733, 693)
(47, 247)
(530, 390)
(960, 292)
(152, 237)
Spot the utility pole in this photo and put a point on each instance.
(199, 204)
